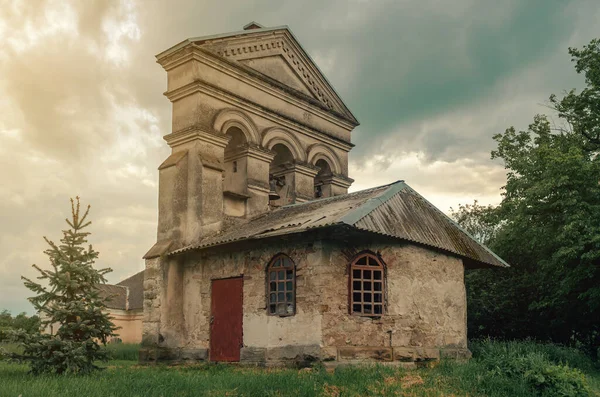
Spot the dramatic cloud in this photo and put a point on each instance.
(82, 111)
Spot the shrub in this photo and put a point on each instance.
(546, 369)
(557, 381)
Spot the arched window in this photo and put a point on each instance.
(281, 286)
(367, 285)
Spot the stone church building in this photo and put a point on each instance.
(262, 255)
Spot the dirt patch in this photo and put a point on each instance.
(409, 381)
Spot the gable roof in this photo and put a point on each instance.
(116, 294)
(135, 284)
(125, 295)
(254, 45)
(394, 210)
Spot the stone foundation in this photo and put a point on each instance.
(307, 355)
(151, 355)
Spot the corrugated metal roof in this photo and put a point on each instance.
(394, 210)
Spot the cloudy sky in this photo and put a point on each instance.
(82, 111)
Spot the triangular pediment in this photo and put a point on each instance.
(276, 53)
(276, 67)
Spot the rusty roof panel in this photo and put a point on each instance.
(395, 210)
(409, 216)
(291, 219)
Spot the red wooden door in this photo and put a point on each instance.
(226, 321)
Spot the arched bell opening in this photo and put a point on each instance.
(279, 177)
(237, 140)
(235, 181)
(322, 184)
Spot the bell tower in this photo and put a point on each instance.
(255, 125)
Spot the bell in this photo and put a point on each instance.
(273, 195)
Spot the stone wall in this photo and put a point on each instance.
(265, 337)
(426, 306)
(425, 312)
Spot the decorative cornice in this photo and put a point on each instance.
(193, 133)
(232, 99)
(256, 79)
(278, 45)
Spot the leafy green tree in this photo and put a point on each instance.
(29, 324)
(551, 207)
(547, 225)
(498, 299)
(72, 303)
(481, 222)
(581, 111)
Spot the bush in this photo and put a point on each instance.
(545, 368)
(557, 380)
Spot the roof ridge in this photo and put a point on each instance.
(339, 197)
(371, 204)
(128, 278)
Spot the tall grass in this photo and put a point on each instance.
(525, 368)
(514, 369)
(124, 351)
(556, 354)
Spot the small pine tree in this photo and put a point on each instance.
(70, 302)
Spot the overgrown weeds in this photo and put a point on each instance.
(515, 369)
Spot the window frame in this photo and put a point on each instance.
(268, 281)
(379, 266)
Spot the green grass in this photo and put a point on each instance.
(497, 369)
(124, 351)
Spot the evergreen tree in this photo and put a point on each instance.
(71, 303)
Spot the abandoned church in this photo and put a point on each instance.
(262, 255)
